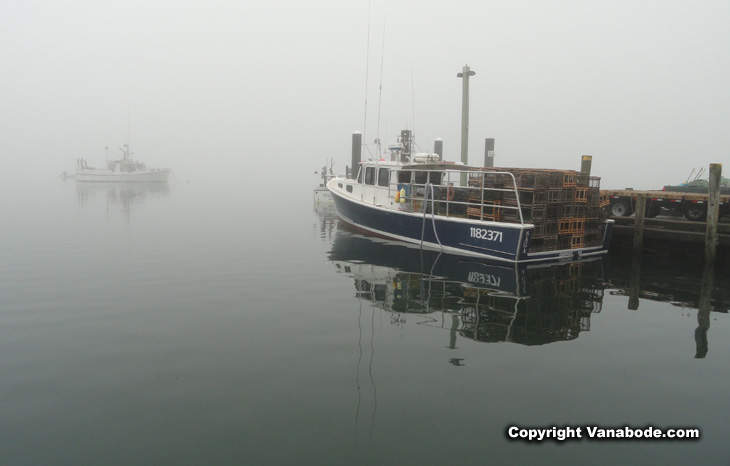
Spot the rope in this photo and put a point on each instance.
(429, 188)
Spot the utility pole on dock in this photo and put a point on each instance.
(464, 75)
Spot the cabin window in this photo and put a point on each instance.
(421, 177)
(435, 177)
(370, 175)
(383, 177)
(349, 188)
(359, 175)
(404, 177)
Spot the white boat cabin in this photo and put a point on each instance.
(125, 166)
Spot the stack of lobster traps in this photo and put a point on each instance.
(564, 205)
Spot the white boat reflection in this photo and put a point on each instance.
(124, 196)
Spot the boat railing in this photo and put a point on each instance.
(481, 195)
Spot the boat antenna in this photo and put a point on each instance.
(413, 102)
(128, 125)
(367, 74)
(380, 93)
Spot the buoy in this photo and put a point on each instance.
(403, 195)
(397, 196)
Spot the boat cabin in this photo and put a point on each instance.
(386, 174)
(125, 166)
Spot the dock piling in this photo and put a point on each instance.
(489, 152)
(638, 249)
(713, 212)
(356, 153)
(438, 147)
(639, 212)
(585, 164)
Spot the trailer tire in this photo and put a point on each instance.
(620, 208)
(696, 214)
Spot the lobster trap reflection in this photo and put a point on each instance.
(484, 302)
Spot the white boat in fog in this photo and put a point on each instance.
(322, 195)
(125, 169)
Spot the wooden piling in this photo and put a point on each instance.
(639, 212)
(438, 147)
(713, 212)
(585, 164)
(489, 152)
(356, 154)
(638, 248)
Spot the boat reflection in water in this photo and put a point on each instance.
(122, 195)
(326, 222)
(490, 302)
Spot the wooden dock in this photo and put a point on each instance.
(671, 229)
(704, 210)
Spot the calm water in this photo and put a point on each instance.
(191, 324)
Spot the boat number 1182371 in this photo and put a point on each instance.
(489, 235)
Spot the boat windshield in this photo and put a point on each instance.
(131, 167)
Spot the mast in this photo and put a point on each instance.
(126, 154)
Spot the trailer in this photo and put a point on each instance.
(693, 205)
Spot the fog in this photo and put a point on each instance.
(220, 88)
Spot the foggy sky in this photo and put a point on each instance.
(208, 87)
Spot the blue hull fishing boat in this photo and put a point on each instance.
(506, 214)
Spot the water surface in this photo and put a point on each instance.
(195, 323)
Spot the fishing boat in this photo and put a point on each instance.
(126, 169)
(505, 214)
(322, 195)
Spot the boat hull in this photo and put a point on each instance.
(507, 278)
(160, 175)
(322, 195)
(493, 240)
